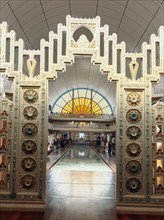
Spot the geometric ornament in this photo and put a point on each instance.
(133, 167)
(133, 66)
(28, 164)
(133, 150)
(30, 130)
(133, 115)
(29, 147)
(30, 112)
(30, 96)
(133, 185)
(133, 132)
(133, 98)
(28, 182)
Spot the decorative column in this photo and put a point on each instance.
(138, 155)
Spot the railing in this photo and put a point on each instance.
(87, 127)
(103, 116)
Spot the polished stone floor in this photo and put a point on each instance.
(79, 187)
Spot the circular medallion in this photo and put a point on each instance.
(133, 98)
(133, 185)
(133, 132)
(30, 112)
(30, 96)
(133, 150)
(28, 182)
(133, 167)
(30, 130)
(28, 164)
(133, 115)
(29, 147)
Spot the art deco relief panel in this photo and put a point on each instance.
(158, 149)
(138, 176)
(6, 110)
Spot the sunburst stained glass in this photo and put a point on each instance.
(82, 101)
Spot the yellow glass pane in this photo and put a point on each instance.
(82, 106)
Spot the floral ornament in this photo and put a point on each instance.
(30, 96)
(133, 167)
(133, 98)
(29, 147)
(133, 185)
(133, 150)
(30, 130)
(28, 182)
(28, 164)
(133, 116)
(133, 132)
(30, 112)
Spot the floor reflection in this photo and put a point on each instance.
(81, 157)
(80, 186)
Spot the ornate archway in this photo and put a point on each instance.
(24, 127)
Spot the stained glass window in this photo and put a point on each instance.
(82, 102)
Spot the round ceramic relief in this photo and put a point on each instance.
(133, 150)
(30, 96)
(29, 147)
(30, 130)
(28, 164)
(133, 132)
(133, 185)
(133, 167)
(133, 98)
(133, 116)
(30, 112)
(28, 182)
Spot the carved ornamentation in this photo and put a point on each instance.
(133, 66)
(159, 119)
(29, 147)
(31, 64)
(134, 116)
(28, 182)
(92, 44)
(74, 26)
(30, 112)
(133, 132)
(2, 166)
(30, 96)
(92, 26)
(73, 44)
(30, 130)
(133, 167)
(83, 41)
(133, 98)
(133, 185)
(133, 150)
(28, 164)
(2, 184)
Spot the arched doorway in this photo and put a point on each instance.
(29, 131)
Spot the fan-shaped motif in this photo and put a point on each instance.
(82, 101)
(82, 106)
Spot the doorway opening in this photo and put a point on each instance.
(82, 132)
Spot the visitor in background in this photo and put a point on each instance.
(110, 148)
(98, 144)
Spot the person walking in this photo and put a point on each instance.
(110, 148)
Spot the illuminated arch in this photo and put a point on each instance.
(82, 102)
